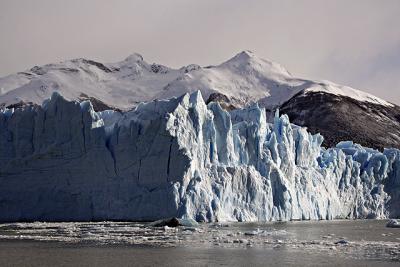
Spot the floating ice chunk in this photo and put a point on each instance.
(393, 224)
(175, 222)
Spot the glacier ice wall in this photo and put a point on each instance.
(180, 157)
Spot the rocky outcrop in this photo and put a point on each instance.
(340, 118)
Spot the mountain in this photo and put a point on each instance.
(62, 161)
(341, 117)
(122, 85)
(343, 113)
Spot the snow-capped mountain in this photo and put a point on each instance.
(122, 85)
(345, 113)
(245, 78)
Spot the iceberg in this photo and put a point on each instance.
(63, 161)
(393, 224)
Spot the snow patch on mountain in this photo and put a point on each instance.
(335, 89)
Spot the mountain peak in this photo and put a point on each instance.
(135, 57)
(247, 53)
(247, 56)
(244, 55)
(249, 60)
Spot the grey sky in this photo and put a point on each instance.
(356, 43)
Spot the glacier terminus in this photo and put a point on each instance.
(62, 161)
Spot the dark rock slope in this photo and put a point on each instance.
(340, 118)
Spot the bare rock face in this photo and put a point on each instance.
(341, 118)
(97, 104)
(223, 101)
(181, 158)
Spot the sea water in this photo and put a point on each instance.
(327, 243)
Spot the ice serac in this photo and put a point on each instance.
(182, 158)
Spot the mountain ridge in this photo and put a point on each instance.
(236, 83)
(244, 78)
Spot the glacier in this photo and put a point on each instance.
(62, 161)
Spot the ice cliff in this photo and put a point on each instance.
(180, 157)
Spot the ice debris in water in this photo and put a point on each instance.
(393, 224)
(182, 158)
(143, 234)
(174, 222)
(342, 242)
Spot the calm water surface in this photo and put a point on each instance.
(334, 243)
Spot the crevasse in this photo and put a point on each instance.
(180, 157)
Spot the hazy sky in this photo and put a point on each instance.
(356, 43)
